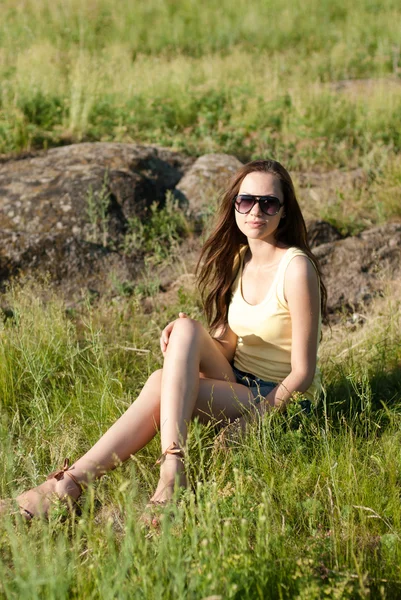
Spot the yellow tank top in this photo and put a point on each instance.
(264, 330)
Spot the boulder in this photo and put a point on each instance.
(359, 267)
(321, 232)
(88, 190)
(73, 265)
(367, 87)
(65, 211)
(205, 180)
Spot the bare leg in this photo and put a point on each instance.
(190, 351)
(133, 430)
(167, 400)
(170, 398)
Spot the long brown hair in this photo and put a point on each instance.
(219, 255)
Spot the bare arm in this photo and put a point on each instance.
(302, 294)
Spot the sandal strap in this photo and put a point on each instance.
(60, 473)
(28, 513)
(173, 449)
(75, 480)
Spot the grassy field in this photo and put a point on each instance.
(301, 508)
(248, 79)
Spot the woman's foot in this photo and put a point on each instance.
(172, 474)
(61, 485)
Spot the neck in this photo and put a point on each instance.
(264, 252)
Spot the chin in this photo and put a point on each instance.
(262, 238)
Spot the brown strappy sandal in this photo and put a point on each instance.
(45, 497)
(151, 515)
(173, 449)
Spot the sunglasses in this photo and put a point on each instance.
(244, 203)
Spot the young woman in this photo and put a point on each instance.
(263, 297)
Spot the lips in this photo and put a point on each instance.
(255, 223)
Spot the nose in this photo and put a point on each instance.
(256, 210)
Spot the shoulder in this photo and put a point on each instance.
(299, 264)
(300, 277)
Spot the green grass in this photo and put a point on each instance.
(248, 80)
(299, 508)
(257, 80)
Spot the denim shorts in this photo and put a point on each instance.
(258, 387)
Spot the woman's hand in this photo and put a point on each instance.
(165, 335)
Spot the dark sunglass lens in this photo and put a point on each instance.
(244, 203)
(270, 206)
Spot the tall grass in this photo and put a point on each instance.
(163, 25)
(250, 79)
(298, 508)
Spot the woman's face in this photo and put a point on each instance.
(255, 224)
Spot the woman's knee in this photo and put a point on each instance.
(188, 329)
(155, 379)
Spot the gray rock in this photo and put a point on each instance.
(205, 180)
(88, 190)
(65, 211)
(73, 265)
(321, 232)
(357, 268)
